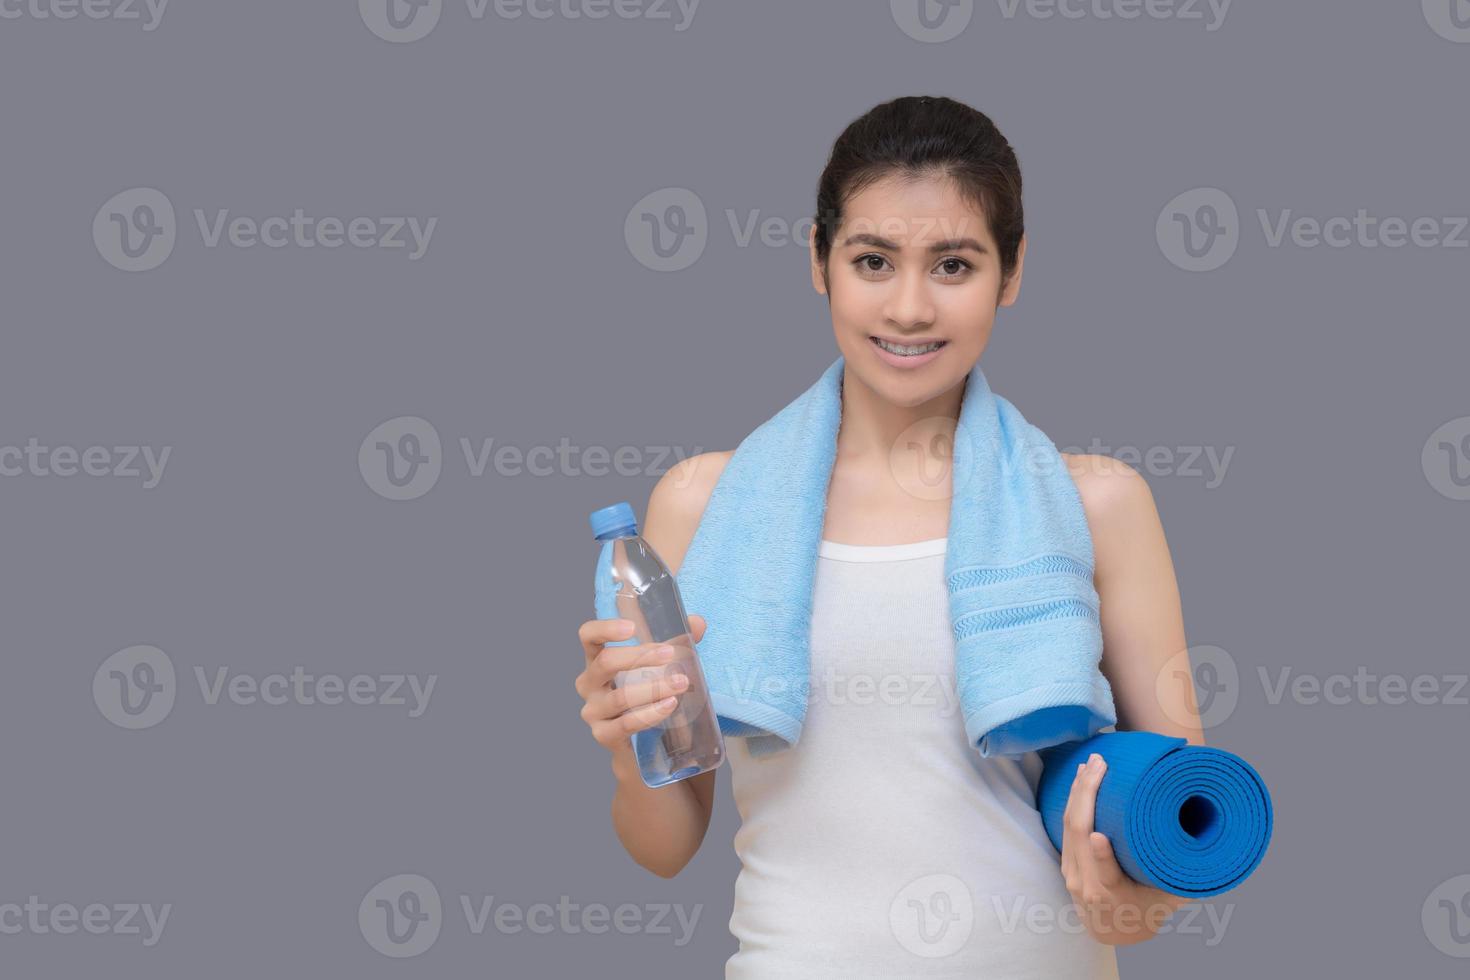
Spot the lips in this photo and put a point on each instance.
(909, 341)
(906, 361)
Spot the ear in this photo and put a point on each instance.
(819, 278)
(1012, 288)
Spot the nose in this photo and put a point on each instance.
(909, 305)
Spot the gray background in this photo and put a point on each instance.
(528, 321)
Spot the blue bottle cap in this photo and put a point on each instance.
(616, 521)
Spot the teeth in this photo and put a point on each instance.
(907, 351)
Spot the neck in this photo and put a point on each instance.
(872, 425)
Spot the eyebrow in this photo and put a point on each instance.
(949, 245)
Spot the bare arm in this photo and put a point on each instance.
(1143, 628)
(1142, 616)
(660, 828)
(663, 828)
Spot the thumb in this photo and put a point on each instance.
(696, 626)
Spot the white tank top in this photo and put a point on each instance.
(882, 845)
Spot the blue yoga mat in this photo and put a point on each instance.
(1189, 819)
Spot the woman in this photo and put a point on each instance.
(918, 242)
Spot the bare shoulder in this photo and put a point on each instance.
(1106, 484)
(1128, 537)
(677, 504)
(1115, 496)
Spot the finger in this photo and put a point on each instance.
(1070, 874)
(603, 669)
(1078, 816)
(697, 626)
(614, 660)
(1071, 839)
(597, 633)
(1086, 795)
(612, 732)
(614, 701)
(1109, 872)
(1093, 889)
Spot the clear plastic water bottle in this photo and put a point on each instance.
(633, 583)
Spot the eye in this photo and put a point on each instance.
(953, 266)
(963, 265)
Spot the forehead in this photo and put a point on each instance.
(913, 211)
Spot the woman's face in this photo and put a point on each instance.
(912, 263)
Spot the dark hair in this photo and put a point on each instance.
(919, 136)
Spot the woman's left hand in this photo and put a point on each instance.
(1116, 909)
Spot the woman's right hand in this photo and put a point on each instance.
(614, 714)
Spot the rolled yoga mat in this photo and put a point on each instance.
(1189, 819)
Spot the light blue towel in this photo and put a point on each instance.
(1018, 568)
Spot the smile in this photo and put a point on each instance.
(908, 350)
(906, 355)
